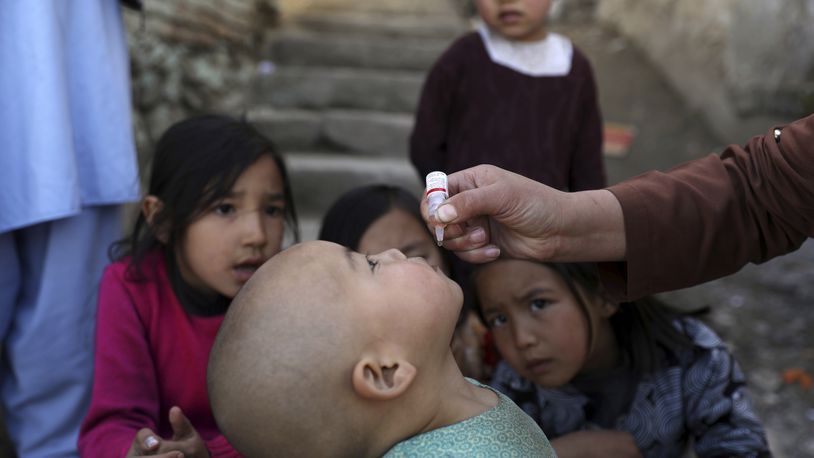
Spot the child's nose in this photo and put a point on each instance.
(254, 228)
(392, 255)
(523, 336)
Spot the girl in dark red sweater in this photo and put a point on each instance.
(218, 204)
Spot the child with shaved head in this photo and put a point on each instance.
(328, 352)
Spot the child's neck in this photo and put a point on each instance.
(457, 400)
(194, 301)
(460, 400)
(532, 38)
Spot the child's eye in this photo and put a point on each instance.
(224, 209)
(416, 253)
(538, 304)
(371, 263)
(496, 321)
(274, 210)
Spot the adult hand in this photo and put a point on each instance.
(492, 211)
(599, 443)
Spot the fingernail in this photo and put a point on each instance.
(150, 442)
(446, 213)
(492, 252)
(478, 235)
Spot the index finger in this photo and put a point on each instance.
(473, 177)
(456, 182)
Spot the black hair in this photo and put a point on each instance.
(643, 328)
(352, 214)
(196, 162)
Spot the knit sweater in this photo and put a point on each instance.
(150, 355)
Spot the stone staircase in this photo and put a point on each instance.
(338, 93)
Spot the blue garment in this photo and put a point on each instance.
(48, 288)
(702, 397)
(67, 160)
(502, 431)
(65, 122)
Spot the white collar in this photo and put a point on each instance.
(550, 56)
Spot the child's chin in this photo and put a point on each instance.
(549, 380)
(231, 291)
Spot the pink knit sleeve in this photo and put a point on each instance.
(125, 394)
(219, 447)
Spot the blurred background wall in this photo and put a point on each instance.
(742, 63)
(193, 55)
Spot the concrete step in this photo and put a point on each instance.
(368, 133)
(382, 23)
(331, 87)
(303, 48)
(318, 179)
(407, 7)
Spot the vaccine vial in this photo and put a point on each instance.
(436, 194)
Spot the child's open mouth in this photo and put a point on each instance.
(510, 17)
(245, 270)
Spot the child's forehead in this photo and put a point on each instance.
(517, 273)
(514, 266)
(309, 262)
(301, 278)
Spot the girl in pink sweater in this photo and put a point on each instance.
(218, 205)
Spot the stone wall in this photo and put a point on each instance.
(745, 64)
(190, 56)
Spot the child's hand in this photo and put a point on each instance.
(185, 437)
(146, 443)
(467, 348)
(600, 443)
(185, 443)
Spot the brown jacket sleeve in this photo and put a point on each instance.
(708, 218)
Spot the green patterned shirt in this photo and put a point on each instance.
(502, 431)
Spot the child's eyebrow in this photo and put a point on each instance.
(532, 293)
(267, 196)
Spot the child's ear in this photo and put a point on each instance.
(150, 206)
(382, 381)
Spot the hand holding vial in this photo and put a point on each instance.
(492, 211)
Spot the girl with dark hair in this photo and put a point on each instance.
(638, 378)
(375, 218)
(217, 207)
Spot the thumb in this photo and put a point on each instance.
(469, 204)
(181, 426)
